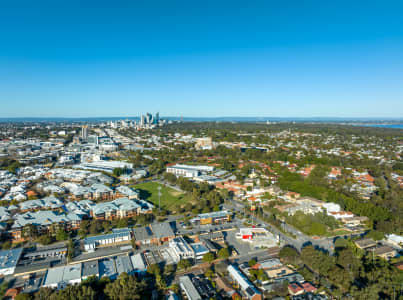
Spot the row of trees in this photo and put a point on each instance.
(317, 224)
(10, 165)
(125, 287)
(204, 196)
(349, 271)
(294, 182)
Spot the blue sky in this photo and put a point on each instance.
(201, 58)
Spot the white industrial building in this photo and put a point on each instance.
(180, 249)
(331, 207)
(188, 170)
(60, 277)
(258, 237)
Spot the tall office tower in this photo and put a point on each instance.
(142, 120)
(157, 118)
(149, 118)
(84, 132)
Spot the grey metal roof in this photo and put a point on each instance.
(107, 268)
(142, 233)
(123, 264)
(125, 190)
(113, 235)
(125, 230)
(43, 217)
(9, 258)
(46, 252)
(138, 262)
(90, 268)
(162, 230)
(189, 289)
(53, 276)
(72, 272)
(270, 263)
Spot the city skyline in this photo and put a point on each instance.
(227, 59)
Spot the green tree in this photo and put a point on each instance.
(154, 269)
(126, 287)
(376, 235)
(6, 245)
(118, 172)
(223, 253)
(61, 235)
(23, 296)
(123, 223)
(83, 231)
(209, 274)
(184, 264)
(95, 227)
(3, 288)
(289, 255)
(45, 239)
(44, 293)
(208, 257)
(252, 262)
(169, 269)
(75, 292)
(70, 249)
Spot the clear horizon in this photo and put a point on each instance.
(210, 60)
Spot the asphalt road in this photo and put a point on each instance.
(299, 242)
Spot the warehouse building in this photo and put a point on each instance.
(9, 260)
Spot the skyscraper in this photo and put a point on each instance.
(149, 118)
(84, 132)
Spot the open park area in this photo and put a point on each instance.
(170, 198)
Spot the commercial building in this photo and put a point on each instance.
(248, 289)
(9, 260)
(60, 277)
(258, 237)
(157, 234)
(84, 132)
(188, 171)
(107, 268)
(217, 217)
(46, 252)
(123, 264)
(89, 269)
(54, 278)
(385, 252)
(181, 249)
(138, 263)
(105, 165)
(395, 239)
(188, 288)
(365, 243)
(205, 143)
(118, 235)
(199, 250)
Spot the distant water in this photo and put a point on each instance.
(398, 126)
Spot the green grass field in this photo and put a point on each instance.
(169, 196)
